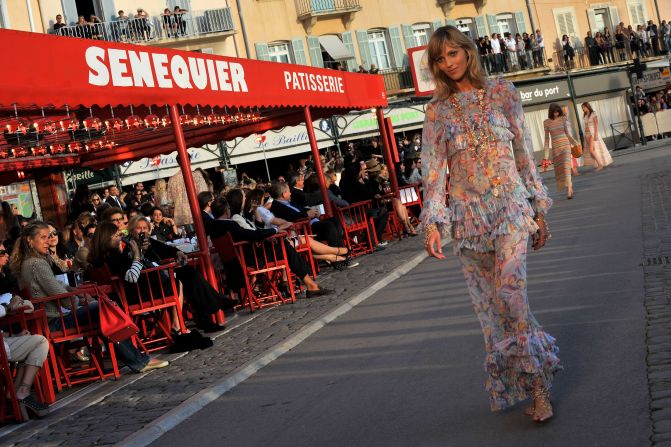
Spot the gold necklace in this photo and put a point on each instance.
(479, 141)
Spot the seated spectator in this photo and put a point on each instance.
(164, 227)
(334, 192)
(296, 183)
(57, 252)
(241, 230)
(29, 351)
(312, 191)
(257, 210)
(77, 239)
(327, 230)
(356, 187)
(81, 202)
(117, 217)
(98, 204)
(201, 297)
(30, 263)
(86, 226)
(383, 195)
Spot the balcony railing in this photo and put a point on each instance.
(397, 79)
(319, 7)
(191, 24)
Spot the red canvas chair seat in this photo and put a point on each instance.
(83, 332)
(300, 239)
(263, 268)
(156, 299)
(357, 225)
(9, 408)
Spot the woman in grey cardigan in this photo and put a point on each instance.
(31, 264)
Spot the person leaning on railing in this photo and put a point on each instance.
(30, 263)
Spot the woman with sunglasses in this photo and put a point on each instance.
(58, 253)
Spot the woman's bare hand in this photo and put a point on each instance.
(434, 245)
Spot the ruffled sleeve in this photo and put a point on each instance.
(523, 151)
(434, 170)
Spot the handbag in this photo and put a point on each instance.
(115, 324)
(576, 150)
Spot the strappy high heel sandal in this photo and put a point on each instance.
(542, 407)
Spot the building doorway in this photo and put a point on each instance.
(602, 19)
(87, 8)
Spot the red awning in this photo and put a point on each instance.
(53, 70)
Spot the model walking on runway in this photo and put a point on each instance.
(593, 141)
(558, 133)
(497, 201)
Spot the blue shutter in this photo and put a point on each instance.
(299, 51)
(481, 26)
(349, 44)
(408, 36)
(364, 51)
(315, 49)
(493, 24)
(396, 46)
(451, 22)
(519, 20)
(437, 24)
(69, 12)
(262, 51)
(108, 12)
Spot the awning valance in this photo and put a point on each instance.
(54, 70)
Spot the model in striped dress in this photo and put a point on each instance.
(557, 132)
(593, 142)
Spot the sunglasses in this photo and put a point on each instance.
(53, 234)
(3, 252)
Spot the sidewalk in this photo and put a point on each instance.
(108, 412)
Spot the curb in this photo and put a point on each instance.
(195, 403)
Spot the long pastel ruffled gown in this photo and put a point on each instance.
(493, 199)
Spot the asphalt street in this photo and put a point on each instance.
(405, 366)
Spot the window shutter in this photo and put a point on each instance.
(69, 12)
(349, 44)
(183, 4)
(364, 51)
(299, 51)
(451, 22)
(493, 25)
(261, 51)
(519, 21)
(570, 24)
(397, 46)
(591, 18)
(108, 10)
(481, 26)
(641, 14)
(436, 24)
(408, 36)
(315, 49)
(614, 16)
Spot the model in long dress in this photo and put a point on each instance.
(558, 135)
(497, 203)
(593, 142)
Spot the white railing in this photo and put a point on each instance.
(175, 26)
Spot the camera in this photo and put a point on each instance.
(141, 237)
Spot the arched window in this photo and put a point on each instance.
(467, 26)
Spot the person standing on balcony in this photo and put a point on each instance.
(539, 51)
(496, 51)
(497, 202)
(180, 23)
(654, 37)
(373, 69)
(168, 23)
(592, 50)
(59, 24)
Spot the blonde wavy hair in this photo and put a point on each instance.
(450, 35)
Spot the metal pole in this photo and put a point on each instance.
(318, 162)
(185, 166)
(638, 123)
(394, 150)
(531, 17)
(575, 107)
(334, 132)
(659, 17)
(265, 159)
(243, 29)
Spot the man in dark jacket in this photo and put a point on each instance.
(297, 182)
(327, 230)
